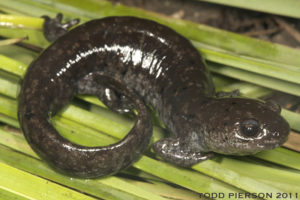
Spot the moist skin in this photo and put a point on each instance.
(129, 62)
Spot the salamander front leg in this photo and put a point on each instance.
(171, 150)
(54, 28)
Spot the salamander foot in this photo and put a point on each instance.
(54, 28)
(171, 150)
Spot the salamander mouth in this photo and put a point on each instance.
(267, 146)
(271, 144)
(255, 147)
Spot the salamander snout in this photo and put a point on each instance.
(247, 126)
(260, 127)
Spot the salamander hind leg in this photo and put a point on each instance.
(173, 151)
(110, 97)
(54, 28)
(114, 101)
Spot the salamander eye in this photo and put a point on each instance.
(249, 128)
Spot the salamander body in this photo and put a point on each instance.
(129, 62)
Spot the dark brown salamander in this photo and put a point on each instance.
(127, 62)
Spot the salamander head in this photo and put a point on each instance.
(240, 126)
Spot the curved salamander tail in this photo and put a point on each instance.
(81, 161)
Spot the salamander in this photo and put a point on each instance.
(128, 63)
